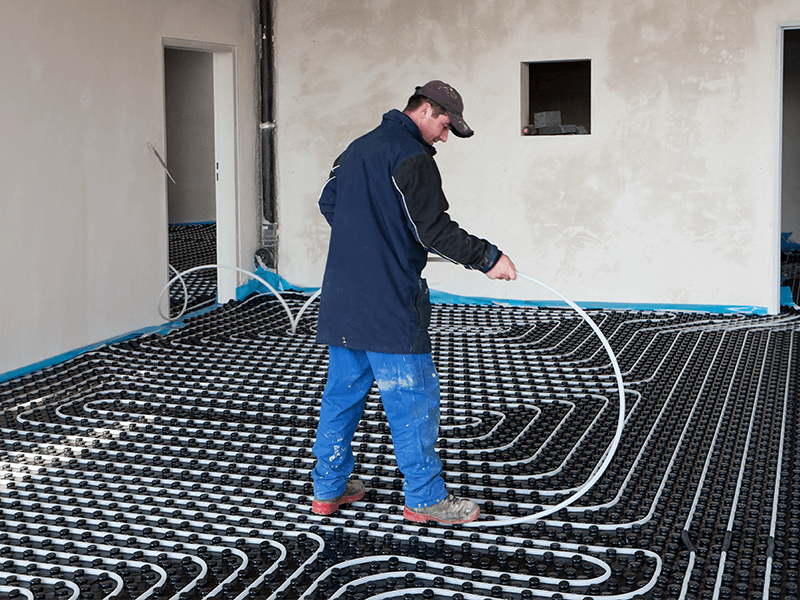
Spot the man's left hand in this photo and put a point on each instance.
(503, 269)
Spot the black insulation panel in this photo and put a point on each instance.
(192, 245)
(178, 465)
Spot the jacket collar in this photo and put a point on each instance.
(398, 117)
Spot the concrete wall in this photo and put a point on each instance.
(83, 238)
(670, 200)
(189, 91)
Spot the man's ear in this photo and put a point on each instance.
(426, 109)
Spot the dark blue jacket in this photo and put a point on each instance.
(385, 205)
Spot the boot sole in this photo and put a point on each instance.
(328, 508)
(421, 518)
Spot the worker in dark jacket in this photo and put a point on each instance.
(385, 205)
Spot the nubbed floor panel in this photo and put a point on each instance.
(178, 465)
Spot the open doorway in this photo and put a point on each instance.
(189, 109)
(200, 125)
(790, 168)
(191, 191)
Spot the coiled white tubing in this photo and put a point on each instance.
(608, 455)
(293, 321)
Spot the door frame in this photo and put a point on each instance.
(225, 156)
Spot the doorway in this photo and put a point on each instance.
(790, 167)
(200, 125)
(191, 188)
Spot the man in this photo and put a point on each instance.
(386, 208)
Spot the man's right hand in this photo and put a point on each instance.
(503, 269)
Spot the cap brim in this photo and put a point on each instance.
(459, 126)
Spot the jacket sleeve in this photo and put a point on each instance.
(418, 181)
(327, 197)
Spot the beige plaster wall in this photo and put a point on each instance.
(83, 238)
(671, 200)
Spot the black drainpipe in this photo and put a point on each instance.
(269, 235)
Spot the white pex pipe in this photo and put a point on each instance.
(292, 321)
(608, 455)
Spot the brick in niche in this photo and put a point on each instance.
(557, 130)
(550, 118)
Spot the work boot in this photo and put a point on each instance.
(353, 492)
(449, 511)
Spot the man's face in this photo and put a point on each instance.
(434, 128)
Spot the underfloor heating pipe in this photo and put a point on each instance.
(608, 455)
(179, 276)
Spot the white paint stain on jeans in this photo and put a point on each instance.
(338, 451)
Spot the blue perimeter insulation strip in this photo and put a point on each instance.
(49, 362)
(437, 297)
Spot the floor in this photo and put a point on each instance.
(177, 465)
(192, 245)
(790, 273)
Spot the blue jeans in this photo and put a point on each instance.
(409, 389)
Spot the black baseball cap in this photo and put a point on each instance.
(446, 96)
